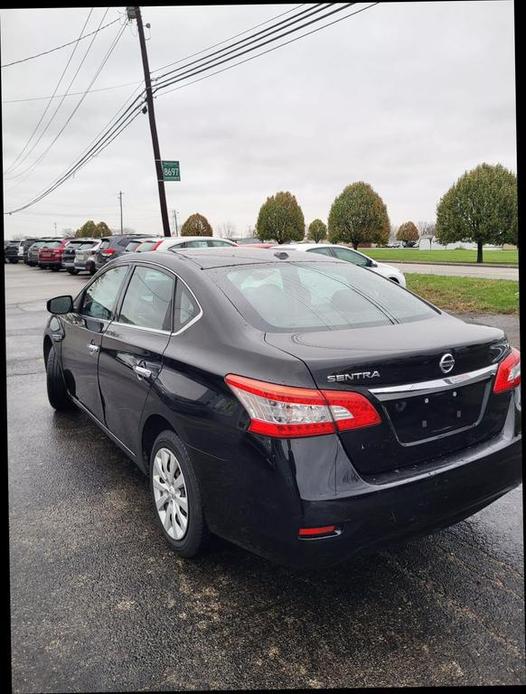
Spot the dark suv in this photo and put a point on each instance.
(11, 252)
(113, 246)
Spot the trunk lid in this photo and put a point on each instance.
(381, 362)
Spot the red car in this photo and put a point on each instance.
(50, 255)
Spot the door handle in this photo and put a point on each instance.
(142, 372)
(93, 348)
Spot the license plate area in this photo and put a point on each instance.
(420, 417)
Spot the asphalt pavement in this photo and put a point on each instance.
(456, 270)
(100, 603)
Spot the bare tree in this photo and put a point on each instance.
(427, 231)
(226, 230)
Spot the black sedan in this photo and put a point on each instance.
(301, 407)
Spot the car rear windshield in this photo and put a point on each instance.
(87, 244)
(52, 244)
(146, 245)
(312, 296)
(132, 245)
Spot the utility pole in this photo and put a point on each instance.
(135, 13)
(120, 199)
(174, 212)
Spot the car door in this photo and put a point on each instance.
(83, 330)
(132, 348)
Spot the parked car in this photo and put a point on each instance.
(301, 407)
(11, 252)
(178, 242)
(23, 247)
(138, 245)
(50, 254)
(69, 253)
(85, 256)
(113, 246)
(33, 250)
(351, 256)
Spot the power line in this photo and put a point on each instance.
(180, 60)
(43, 132)
(237, 53)
(269, 50)
(103, 63)
(245, 31)
(64, 45)
(13, 164)
(279, 26)
(132, 112)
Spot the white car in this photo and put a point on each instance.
(174, 242)
(351, 256)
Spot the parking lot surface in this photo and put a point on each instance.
(454, 270)
(99, 602)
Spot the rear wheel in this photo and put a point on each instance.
(14, 261)
(55, 269)
(56, 388)
(92, 269)
(176, 496)
(72, 271)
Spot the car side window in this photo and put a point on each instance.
(218, 244)
(351, 256)
(186, 307)
(148, 300)
(100, 297)
(321, 251)
(196, 244)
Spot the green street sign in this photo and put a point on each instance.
(171, 171)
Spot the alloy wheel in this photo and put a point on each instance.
(170, 493)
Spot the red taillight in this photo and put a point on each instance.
(509, 372)
(108, 251)
(291, 412)
(322, 531)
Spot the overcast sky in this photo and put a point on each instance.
(403, 96)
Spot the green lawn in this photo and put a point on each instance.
(466, 294)
(441, 256)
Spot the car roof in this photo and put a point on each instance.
(183, 239)
(206, 258)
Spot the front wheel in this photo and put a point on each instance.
(176, 496)
(56, 388)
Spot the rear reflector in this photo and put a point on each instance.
(291, 412)
(324, 530)
(509, 372)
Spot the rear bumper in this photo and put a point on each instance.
(50, 263)
(68, 263)
(297, 491)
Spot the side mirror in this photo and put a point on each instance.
(60, 304)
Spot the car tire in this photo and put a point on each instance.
(170, 462)
(56, 388)
(55, 269)
(72, 272)
(92, 269)
(13, 261)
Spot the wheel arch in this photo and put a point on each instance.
(152, 427)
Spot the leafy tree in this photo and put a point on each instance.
(480, 207)
(408, 233)
(317, 231)
(88, 229)
(102, 229)
(280, 219)
(358, 215)
(196, 225)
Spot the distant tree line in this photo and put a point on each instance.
(480, 207)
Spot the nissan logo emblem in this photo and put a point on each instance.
(447, 363)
